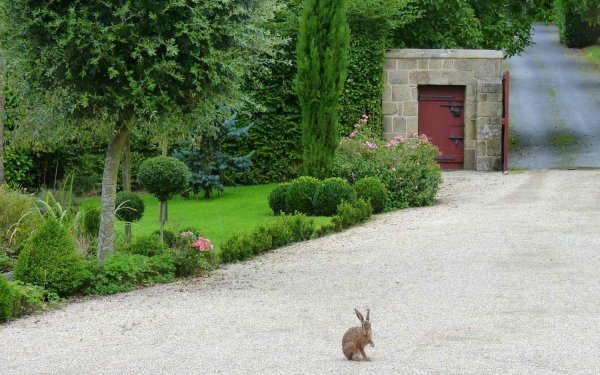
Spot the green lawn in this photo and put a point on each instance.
(594, 53)
(237, 209)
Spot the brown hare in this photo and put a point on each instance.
(356, 338)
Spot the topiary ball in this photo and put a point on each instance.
(277, 198)
(6, 299)
(164, 176)
(330, 193)
(373, 191)
(130, 207)
(300, 194)
(50, 260)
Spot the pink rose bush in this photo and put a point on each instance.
(404, 164)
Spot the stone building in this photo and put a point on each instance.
(453, 96)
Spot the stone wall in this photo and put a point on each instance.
(480, 71)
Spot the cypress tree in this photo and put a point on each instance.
(322, 54)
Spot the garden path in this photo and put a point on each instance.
(501, 276)
(555, 106)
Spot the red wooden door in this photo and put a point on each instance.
(505, 119)
(442, 119)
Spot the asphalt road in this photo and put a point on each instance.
(502, 276)
(555, 106)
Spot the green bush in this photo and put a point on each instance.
(373, 191)
(575, 29)
(277, 199)
(6, 299)
(6, 263)
(163, 176)
(189, 260)
(121, 272)
(91, 221)
(169, 237)
(330, 193)
(30, 298)
(350, 214)
(50, 260)
(281, 232)
(236, 248)
(130, 207)
(149, 245)
(406, 167)
(300, 194)
(16, 224)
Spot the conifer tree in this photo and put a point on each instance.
(322, 54)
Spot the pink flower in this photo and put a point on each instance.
(353, 134)
(203, 244)
(371, 145)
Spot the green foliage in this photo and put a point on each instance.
(148, 245)
(164, 176)
(275, 135)
(170, 238)
(189, 260)
(16, 168)
(322, 58)
(283, 231)
(277, 199)
(405, 166)
(16, 224)
(330, 193)
(50, 260)
(130, 207)
(91, 221)
(152, 58)
(6, 263)
(6, 299)
(371, 190)
(121, 272)
(350, 214)
(300, 194)
(574, 22)
(30, 298)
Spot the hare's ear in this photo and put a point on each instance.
(360, 317)
(368, 312)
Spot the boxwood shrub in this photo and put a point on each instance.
(300, 195)
(373, 191)
(277, 199)
(6, 299)
(330, 193)
(50, 260)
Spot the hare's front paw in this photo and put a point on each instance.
(367, 359)
(371, 344)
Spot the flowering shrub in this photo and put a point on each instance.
(193, 254)
(406, 166)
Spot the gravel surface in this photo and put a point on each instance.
(555, 98)
(501, 276)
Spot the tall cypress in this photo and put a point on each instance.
(322, 55)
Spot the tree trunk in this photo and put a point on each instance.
(109, 191)
(1, 120)
(126, 179)
(163, 211)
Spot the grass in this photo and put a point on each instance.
(237, 209)
(593, 53)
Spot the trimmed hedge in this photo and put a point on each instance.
(373, 191)
(277, 199)
(164, 176)
(348, 215)
(122, 272)
(283, 231)
(130, 207)
(300, 194)
(6, 299)
(50, 260)
(575, 31)
(330, 193)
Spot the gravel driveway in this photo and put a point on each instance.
(502, 276)
(555, 106)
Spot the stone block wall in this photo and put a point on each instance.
(480, 71)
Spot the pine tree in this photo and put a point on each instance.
(322, 54)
